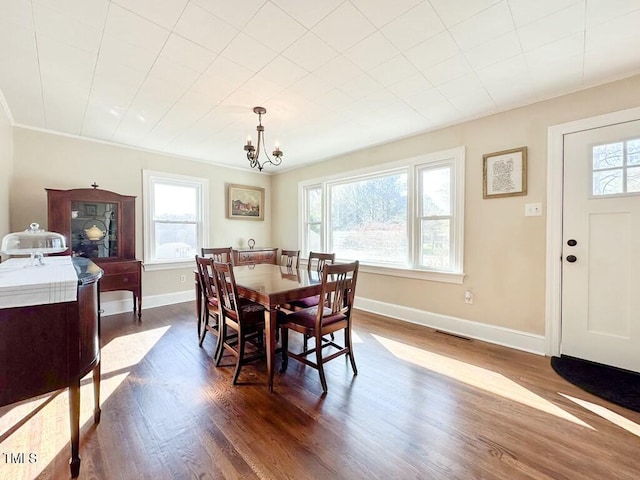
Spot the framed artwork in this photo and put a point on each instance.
(504, 174)
(90, 209)
(245, 202)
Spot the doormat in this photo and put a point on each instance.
(613, 384)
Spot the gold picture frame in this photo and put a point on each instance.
(504, 174)
(245, 202)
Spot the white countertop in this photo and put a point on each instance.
(22, 285)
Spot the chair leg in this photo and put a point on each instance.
(222, 338)
(202, 326)
(347, 341)
(323, 380)
(241, 342)
(285, 348)
(305, 346)
(218, 340)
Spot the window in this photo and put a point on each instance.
(397, 219)
(175, 218)
(368, 219)
(313, 218)
(616, 168)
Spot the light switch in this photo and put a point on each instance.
(533, 210)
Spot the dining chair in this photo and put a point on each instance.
(338, 287)
(316, 263)
(290, 258)
(209, 302)
(219, 254)
(241, 320)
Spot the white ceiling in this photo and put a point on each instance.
(182, 76)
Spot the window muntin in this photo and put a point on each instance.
(176, 217)
(615, 168)
(414, 215)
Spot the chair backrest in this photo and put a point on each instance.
(225, 283)
(205, 270)
(290, 258)
(222, 254)
(318, 260)
(339, 288)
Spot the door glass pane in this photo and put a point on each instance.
(607, 156)
(633, 179)
(94, 227)
(607, 182)
(633, 152)
(435, 244)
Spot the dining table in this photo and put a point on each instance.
(271, 286)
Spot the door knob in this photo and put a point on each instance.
(572, 243)
(571, 258)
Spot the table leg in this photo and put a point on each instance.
(96, 393)
(199, 306)
(74, 423)
(270, 322)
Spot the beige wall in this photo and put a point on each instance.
(6, 171)
(43, 160)
(504, 252)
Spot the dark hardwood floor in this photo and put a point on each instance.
(424, 405)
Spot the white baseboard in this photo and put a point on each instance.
(507, 337)
(122, 306)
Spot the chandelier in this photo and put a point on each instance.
(254, 152)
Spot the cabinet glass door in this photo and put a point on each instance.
(94, 227)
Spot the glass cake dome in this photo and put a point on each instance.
(35, 242)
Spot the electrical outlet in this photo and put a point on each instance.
(468, 297)
(183, 278)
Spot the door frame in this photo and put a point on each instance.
(555, 162)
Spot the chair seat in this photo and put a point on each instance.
(212, 302)
(303, 303)
(252, 312)
(307, 317)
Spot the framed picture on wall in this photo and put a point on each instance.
(504, 174)
(245, 202)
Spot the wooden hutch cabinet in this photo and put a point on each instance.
(100, 225)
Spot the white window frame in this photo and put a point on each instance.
(150, 179)
(305, 214)
(455, 158)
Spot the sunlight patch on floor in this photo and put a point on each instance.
(119, 355)
(607, 414)
(475, 376)
(128, 350)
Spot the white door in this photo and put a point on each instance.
(601, 246)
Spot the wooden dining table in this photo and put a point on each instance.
(271, 286)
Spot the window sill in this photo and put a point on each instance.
(445, 277)
(174, 265)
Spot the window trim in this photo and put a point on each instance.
(454, 157)
(149, 178)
